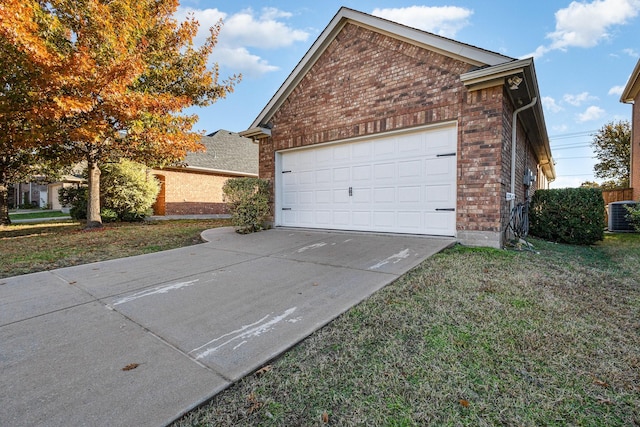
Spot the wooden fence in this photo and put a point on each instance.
(610, 196)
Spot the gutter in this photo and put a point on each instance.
(514, 131)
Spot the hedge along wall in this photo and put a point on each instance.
(568, 215)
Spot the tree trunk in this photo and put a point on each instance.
(94, 220)
(4, 206)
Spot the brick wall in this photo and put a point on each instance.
(366, 83)
(192, 193)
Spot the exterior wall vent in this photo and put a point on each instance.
(618, 216)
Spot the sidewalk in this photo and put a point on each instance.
(142, 340)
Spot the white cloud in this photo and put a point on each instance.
(586, 24)
(560, 128)
(239, 58)
(550, 104)
(264, 31)
(243, 30)
(579, 99)
(616, 90)
(590, 114)
(443, 20)
(631, 52)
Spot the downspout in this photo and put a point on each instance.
(514, 131)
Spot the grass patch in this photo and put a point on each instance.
(471, 337)
(37, 215)
(28, 248)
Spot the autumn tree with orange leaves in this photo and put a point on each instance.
(101, 80)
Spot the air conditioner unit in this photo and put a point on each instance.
(618, 216)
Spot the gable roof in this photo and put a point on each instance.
(491, 68)
(521, 93)
(448, 47)
(226, 152)
(633, 86)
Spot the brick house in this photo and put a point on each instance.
(196, 186)
(631, 95)
(386, 128)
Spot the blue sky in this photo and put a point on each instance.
(584, 53)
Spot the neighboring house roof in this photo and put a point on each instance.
(226, 152)
(486, 68)
(633, 86)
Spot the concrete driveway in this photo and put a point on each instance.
(141, 340)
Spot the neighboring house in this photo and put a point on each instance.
(631, 95)
(28, 194)
(196, 187)
(66, 181)
(386, 128)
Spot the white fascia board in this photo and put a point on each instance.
(496, 71)
(452, 48)
(633, 86)
(209, 170)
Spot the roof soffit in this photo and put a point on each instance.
(632, 88)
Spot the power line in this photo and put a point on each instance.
(570, 147)
(576, 157)
(573, 134)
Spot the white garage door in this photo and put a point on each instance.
(402, 183)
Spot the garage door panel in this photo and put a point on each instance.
(361, 195)
(341, 218)
(383, 221)
(384, 171)
(324, 157)
(307, 177)
(401, 183)
(439, 168)
(439, 222)
(361, 173)
(361, 152)
(341, 196)
(323, 197)
(341, 175)
(410, 169)
(323, 218)
(290, 198)
(440, 194)
(341, 153)
(441, 140)
(306, 198)
(323, 176)
(409, 194)
(361, 219)
(412, 145)
(384, 148)
(410, 220)
(384, 195)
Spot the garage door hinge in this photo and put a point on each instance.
(446, 155)
(286, 171)
(445, 209)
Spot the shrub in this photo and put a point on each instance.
(127, 190)
(108, 215)
(76, 197)
(633, 216)
(248, 201)
(569, 215)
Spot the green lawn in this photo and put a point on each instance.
(471, 337)
(28, 248)
(37, 215)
